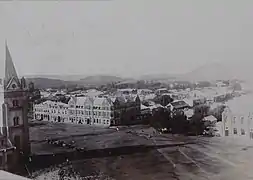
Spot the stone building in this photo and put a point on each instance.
(52, 111)
(96, 111)
(13, 113)
(126, 110)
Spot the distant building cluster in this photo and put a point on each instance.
(105, 108)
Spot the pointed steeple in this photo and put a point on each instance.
(10, 71)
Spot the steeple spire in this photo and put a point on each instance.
(10, 71)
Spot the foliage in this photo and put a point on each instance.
(176, 122)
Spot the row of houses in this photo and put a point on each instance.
(98, 111)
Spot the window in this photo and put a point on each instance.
(235, 131)
(242, 132)
(242, 120)
(15, 103)
(16, 121)
(234, 120)
(1, 159)
(226, 132)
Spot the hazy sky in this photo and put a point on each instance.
(130, 37)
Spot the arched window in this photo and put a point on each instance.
(16, 121)
(15, 103)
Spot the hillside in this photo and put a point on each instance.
(151, 77)
(59, 77)
(100, 80)
(210, 71)
(42, 82)
(50, 83)
(223, 70)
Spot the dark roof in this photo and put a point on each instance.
(180, 104)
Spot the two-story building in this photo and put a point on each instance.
(237, 117)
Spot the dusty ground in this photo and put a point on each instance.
(143, 156)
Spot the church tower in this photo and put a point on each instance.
(14, 107)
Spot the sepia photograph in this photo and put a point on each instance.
(126, 90)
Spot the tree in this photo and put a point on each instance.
(196, 124)
(217, 112)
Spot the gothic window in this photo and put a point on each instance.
(15, 103)
(16, 121)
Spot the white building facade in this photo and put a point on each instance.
(51, 111)
(237, 118)
(79, 110)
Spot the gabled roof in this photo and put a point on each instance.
(178, 104)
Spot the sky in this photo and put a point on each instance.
(127, 38)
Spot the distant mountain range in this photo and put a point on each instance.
(224, 70)
(49, 83)
(100, 79)
(212, 71)
(62, 81)
(158, 77)
(209, 72)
